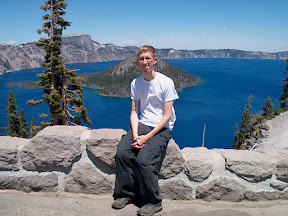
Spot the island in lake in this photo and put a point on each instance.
(115, 81)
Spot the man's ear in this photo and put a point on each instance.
(155, 60)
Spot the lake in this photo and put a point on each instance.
(218, 102)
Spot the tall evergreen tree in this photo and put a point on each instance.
(245, 127)
(268, 108)
(13, 126)
(236, 137)
(62, 92)
(34, 129)
(24, 126)
(284, 98)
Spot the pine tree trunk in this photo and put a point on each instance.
(64, 88)
(53, 82)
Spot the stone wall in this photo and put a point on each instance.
(80, 160)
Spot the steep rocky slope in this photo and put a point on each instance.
(273, 134)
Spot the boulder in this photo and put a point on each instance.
(86, 178)
(249, 165)
(280, 155)
(279, 185)
(282, 170)
(173, 162)
(221, 188)
(52, 148)
(8, 152)
(176, 189)
(265, 195)
(219, 163)
(198, 163)
(276, 137)
(30, 182)
(102, 144)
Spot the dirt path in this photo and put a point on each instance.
(14, 203)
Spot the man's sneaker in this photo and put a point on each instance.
(149, 209)
(121, 202)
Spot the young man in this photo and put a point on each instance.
(141, 151)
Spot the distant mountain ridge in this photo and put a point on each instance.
(80, 48)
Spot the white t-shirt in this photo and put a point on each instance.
(152, 95)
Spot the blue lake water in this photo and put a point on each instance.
(218, 102)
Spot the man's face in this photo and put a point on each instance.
(146, 61)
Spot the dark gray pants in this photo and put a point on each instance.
(138, 169)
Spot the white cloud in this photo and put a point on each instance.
(204, 34)
(10, 42)
(224, 27)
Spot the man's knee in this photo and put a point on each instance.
(121, 156)
(146, 162)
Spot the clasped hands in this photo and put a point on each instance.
(139, 141)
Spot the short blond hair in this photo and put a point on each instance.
(147, 48)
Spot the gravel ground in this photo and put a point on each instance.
(14, 203)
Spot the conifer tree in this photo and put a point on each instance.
(62, 92)
(245, 127)
(13, 126)
(24, 126)
(34, 129)
(284, 98)
(268, 108)
(236, 136)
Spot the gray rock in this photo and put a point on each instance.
(276, 154)
(282, 170)
(279, 185)
(276, 136)
(53, 147)
(279, 155)
(8, 151)
(176, 189)
(218, 163)
(221, 188)
(251, 166)
(86, 178)
(103, 143)
(30, 182)
(173, 162)
(264, 195)
(198, 164)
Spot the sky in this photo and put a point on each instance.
(251, 25)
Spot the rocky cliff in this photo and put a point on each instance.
(82, 49)
(79, 160)
(271, 134)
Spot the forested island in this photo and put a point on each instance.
(115, 81)
(24, 84)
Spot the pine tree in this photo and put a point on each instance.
(236, 136)
(268, 108)
(245, 127)
(62, 92)
(24, 126)
(13, 126)
(34, 129)
(284, 98)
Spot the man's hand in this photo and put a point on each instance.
(139, 141)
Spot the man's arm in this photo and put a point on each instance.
(134, 120)
(141, 140)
